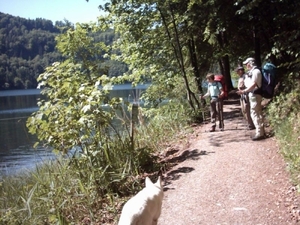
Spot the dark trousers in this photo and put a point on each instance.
(216, 111)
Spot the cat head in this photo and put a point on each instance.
(157, 184)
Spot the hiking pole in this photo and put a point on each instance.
(203, 104)
(241, 114)
(220, 114)
(243, 111)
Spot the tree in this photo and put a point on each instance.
(187, 39)
(160, 43)
(73, 108)
(274, 26)
(72, 115)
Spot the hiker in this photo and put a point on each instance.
(253, 81)
(215, 91)
(244, 100)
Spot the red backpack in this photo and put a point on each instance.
(220, 78)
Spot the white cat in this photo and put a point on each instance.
(145, 207)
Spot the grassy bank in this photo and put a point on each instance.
(90, 188)
(284, 114)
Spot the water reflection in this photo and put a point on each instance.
(16, 144)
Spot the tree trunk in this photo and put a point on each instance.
(226, 72)
(224, 61)
(256, 43)
(191, 97)
(194, 62)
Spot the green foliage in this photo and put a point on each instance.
(88, 186)
(73, 117)
(283, 106)
(284, 116)
(53, 194)
(171, 44)
(106, 162)
(288, 136)
(166, 59)
(170, 118)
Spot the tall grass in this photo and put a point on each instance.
(89, 187)
(166, 122)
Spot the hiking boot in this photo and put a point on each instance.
(257, 138)
(213, 129)
(251, 127)
(221, 126)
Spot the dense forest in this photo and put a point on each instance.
(28, 46)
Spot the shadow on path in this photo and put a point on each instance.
(185, 155)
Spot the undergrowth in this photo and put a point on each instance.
(284, 114)
(90, 187)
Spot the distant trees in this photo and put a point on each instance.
(27, 47)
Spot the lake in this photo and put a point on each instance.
(16, 144)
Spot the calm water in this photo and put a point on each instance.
(16, 144)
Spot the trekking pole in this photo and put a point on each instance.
(242, 112)
(202, 103)
(220, 113)
(240, 118)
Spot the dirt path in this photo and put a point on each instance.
(226, 178)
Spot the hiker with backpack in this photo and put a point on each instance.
(253, 83)
(244, 100)
(215, 91)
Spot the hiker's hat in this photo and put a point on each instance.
(239, 68)
(248, 60)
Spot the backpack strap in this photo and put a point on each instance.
(250, 74)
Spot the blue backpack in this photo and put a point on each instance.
(269, 81)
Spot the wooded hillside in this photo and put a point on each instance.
(27, 47)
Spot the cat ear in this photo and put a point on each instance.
(148, 181)
(158, 182)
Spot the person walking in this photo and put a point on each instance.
(215, 91)
(244, 100)
(253, 81)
